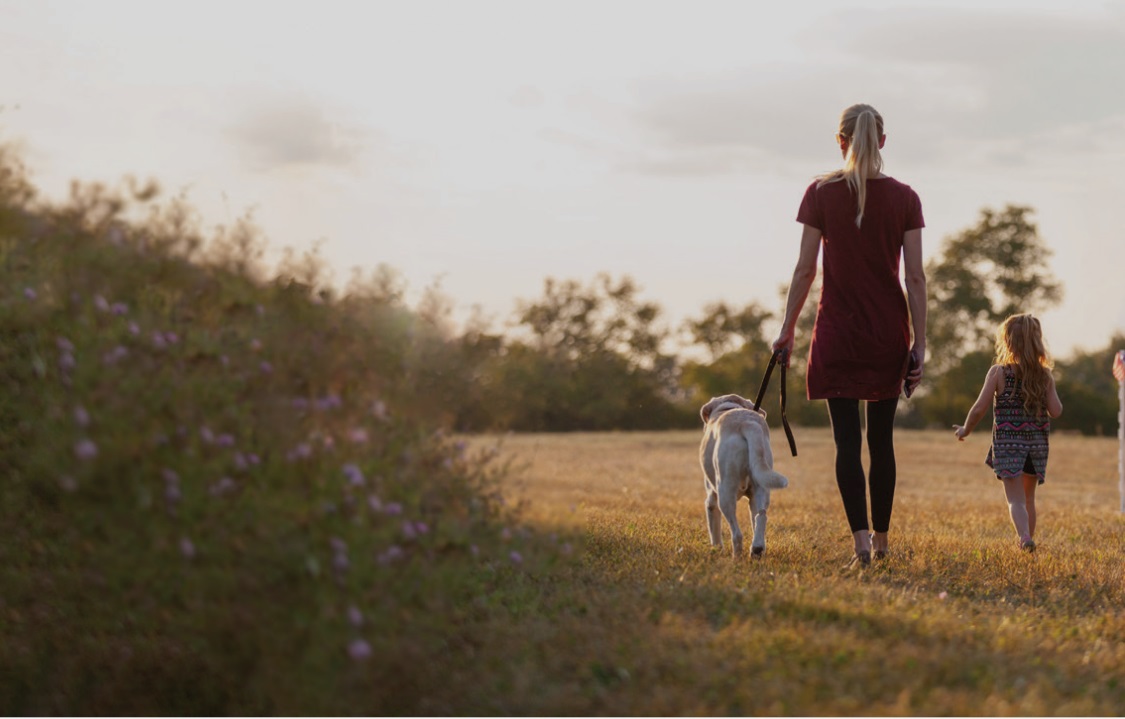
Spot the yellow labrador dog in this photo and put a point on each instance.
(737, 461)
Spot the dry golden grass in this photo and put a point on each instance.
(647, 619)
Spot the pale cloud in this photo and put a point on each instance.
(960, 85)
(295, 132)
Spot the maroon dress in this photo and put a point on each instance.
(861, 340)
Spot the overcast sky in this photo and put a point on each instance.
(489, 145)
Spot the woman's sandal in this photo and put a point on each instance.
(863, 559)
(878, 553)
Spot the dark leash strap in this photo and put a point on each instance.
(779, 354)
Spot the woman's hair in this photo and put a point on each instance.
(1019, 342)
(862, 126)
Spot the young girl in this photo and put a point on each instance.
(1021, 385)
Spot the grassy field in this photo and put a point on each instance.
(648, 619)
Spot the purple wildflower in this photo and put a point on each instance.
(338, 545)
(101, 304)
(340, 563)
(474, 550)
(375, 503)
(359, 650)
(421, 528)
(224, 360)
(66, 362)
(171, 338)
(225, 485)
(516, 557)
(379, 410)
(253, 459)
(240, 462)
(29, 293)
(187, 548)
(266, 367)
(392, 509)
(358, 435)
(392, 554)
(115, 355)
(355, 617)
(158, 341)
(300, 404)
(301, 451)
(64, 344)
(85, 449)
(170, 476)
(119, 308)
(256, 345)
(354, 475)
(68, 483)
(408, 530)
(225, 440)
(206, 435)
(81, 416)
(260, 310)
(172, 494)
(134, 329)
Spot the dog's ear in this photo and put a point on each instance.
(706, 410)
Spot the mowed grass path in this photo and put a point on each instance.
(647, 619)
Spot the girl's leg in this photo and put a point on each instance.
(1017, 506)
(881, 478)
(1030, 482)
(844, 414)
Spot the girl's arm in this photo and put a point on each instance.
(803, 277)
(980, 407)
(1054, 404)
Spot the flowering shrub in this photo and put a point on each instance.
(216, 498)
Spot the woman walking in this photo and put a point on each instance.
(861, 346)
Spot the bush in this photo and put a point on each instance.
(219, 497)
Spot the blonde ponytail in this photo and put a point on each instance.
(862, 126)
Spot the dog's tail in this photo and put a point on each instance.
(761, 469)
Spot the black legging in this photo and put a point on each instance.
(849, 466)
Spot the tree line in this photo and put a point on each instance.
(595, 355)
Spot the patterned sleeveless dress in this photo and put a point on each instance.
(1019, 441)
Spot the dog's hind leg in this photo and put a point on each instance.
(714, 519)
(759, 505)
(728, 504)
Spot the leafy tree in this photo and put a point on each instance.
(590, 357)
(723, 328)
(984, 274)
(1089, 391)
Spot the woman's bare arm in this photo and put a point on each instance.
(916, 297)
(803, 277)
